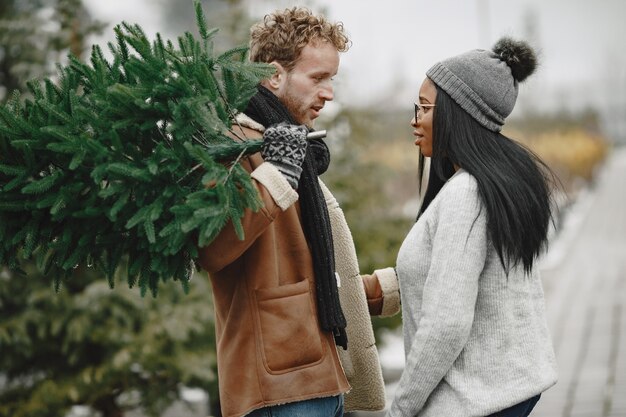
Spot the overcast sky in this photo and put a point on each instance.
(582, 42)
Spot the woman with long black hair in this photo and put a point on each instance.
(475, 334)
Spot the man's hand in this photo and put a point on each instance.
(284, 146)
(373, 293)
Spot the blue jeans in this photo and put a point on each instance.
(522, 409)
(317, 407)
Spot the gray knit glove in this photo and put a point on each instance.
(284, 145)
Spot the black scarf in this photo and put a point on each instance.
(266, 108)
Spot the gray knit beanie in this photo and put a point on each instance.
(485, 83)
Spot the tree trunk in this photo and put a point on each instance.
(108, 407)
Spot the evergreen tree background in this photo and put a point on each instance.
(230, 16)
(36, 34)
(88, 344)
(111, 350)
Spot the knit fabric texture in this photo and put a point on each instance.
(284, 145)
(481, 83)
(476, 340)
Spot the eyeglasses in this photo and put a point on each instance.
(421, 108)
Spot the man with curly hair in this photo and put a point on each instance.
(294, 336)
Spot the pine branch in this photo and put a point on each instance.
(128, 163)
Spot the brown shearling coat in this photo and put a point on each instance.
(270, 347)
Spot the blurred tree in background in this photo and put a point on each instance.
(36, 34)
(572, 144)
(111, 350)
(231, 17)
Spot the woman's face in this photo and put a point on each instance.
(422, 123)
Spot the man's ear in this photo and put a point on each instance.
(278, 78)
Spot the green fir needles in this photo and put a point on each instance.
(126, 165)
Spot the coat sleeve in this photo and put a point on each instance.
(391, 291)
(276, 195)
(360, 362)
(459, 250)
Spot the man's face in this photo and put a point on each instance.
(308, 86)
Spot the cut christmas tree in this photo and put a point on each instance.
(127, 162)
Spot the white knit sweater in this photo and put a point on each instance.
(476, 341)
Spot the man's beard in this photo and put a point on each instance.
(295, 108)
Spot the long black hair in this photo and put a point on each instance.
(513, 183)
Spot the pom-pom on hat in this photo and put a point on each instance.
(485, 83)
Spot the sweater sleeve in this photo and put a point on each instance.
(459, 249)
